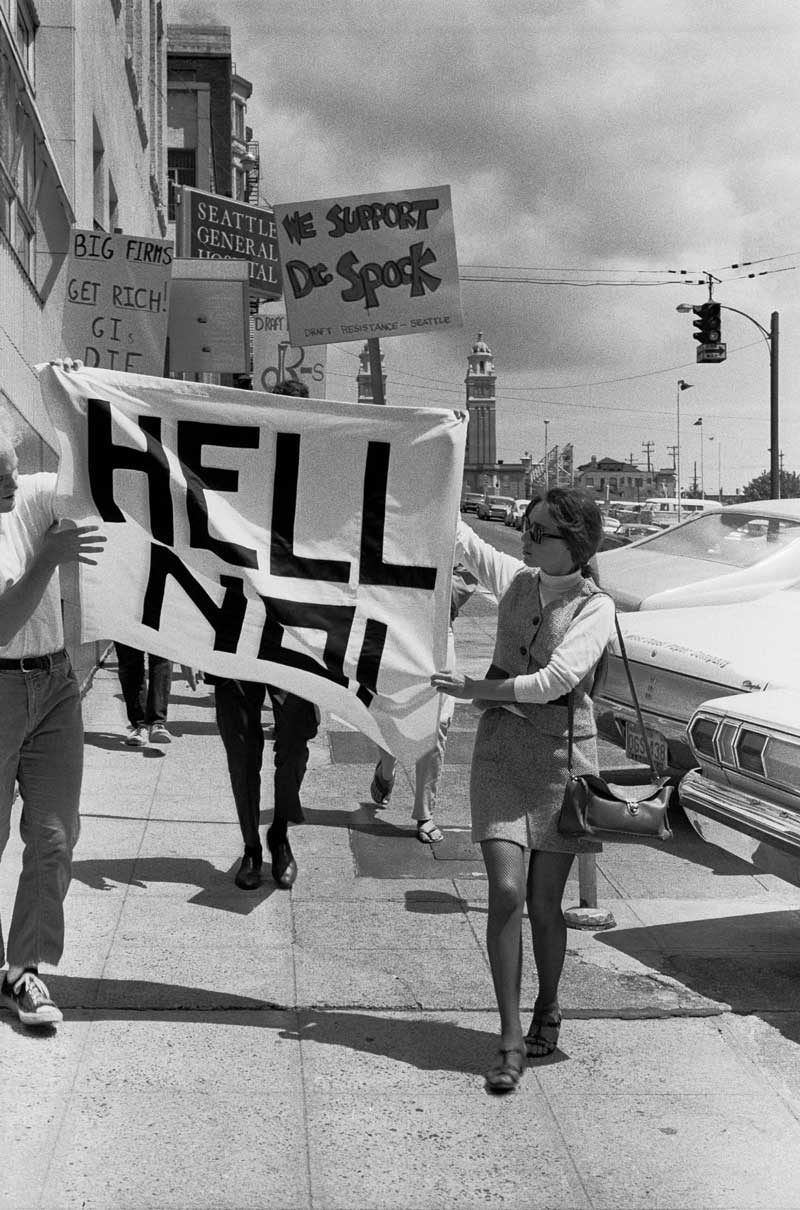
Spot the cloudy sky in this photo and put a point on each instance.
(609, 152)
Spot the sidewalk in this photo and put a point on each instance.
(325, 1047)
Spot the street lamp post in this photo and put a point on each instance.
(702, 473)
(682, 386)
(719, 465)
(771, 338)
(546, 463)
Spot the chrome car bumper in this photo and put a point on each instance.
(748, 826)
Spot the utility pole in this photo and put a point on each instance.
(647, 446)
(672, 451)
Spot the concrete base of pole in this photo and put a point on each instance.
(591, 918)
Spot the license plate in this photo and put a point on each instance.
(635, 749)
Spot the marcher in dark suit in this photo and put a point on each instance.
(238, 709)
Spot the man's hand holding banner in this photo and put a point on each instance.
(304, 543)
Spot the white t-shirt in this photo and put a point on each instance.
(21, 534)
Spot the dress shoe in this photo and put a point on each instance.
(248, 876)
(284, 866)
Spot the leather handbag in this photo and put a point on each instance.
(603, 810)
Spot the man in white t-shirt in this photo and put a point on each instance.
(41, 730)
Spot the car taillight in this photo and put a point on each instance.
(701, 735)
(782, 762)
(750, 751)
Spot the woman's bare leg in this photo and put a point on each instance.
(505, 868)
(547, 877)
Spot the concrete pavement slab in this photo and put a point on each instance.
(718, 1152)
(382, 977)
(165, 1149)
(770, 1042)
(167, 976)
(425, 1152)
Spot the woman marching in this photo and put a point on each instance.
(552, 629)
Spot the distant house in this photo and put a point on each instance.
(611, 479)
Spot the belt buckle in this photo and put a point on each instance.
(36, 663)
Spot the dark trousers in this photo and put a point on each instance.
(146, 698)
(238, 707)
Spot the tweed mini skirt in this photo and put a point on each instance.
(517, 783)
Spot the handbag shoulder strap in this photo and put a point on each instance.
(634, 695)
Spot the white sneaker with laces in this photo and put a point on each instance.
(138, 737)
(159, 734)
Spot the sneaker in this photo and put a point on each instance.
(30, 1000)
(159, 734)
(138, 737)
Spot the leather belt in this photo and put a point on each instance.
(34, 663)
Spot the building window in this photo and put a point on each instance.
(181, 170)
(590, 480)
(26, 35)
(238, 121)
(17, 169)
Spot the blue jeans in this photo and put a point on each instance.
(146, 700)
(41, 748)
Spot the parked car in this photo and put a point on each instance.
(744, 796)
(663, 510)
(470, 502)
(494, 508)
(515, 514)
(681, 658)
(717, 557)
(633, 530)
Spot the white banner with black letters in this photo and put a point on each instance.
(304, 543)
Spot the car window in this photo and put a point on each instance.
(733, 539)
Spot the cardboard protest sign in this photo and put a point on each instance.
(117, 301)
(276, 358)
(356, 268)
(218, 228)
(304, 543)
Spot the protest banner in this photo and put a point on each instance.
(364, 267)
(117, 301)
(304, 543)
(218, 228)
(276, 358)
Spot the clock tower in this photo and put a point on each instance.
(480, 382)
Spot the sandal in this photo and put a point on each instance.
(506, 1072)
(381, 789)
(542, 1037)
(428, 833)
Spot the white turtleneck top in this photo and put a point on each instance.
(585, 640)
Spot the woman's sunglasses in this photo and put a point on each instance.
(538, 534)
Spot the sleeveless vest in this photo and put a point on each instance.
(527, 636)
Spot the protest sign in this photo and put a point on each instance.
(304, 543)
(209, 309)
(117, 301)
(356, 268)
(218, 228)
(276, 358)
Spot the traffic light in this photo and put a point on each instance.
(709, 327)
(708, 332)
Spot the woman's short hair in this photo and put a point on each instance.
(577, 519)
